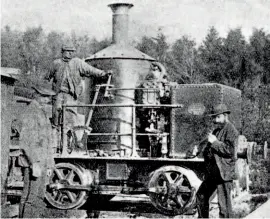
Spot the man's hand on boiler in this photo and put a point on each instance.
(106, 73)
(109, 72)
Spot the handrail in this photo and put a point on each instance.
(128, 105)
(133, 133)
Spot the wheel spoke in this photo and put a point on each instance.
(71, 196)
(180, 201)
(176, 201)
(184, 189)
(179, 179)
(168, 177)
(59, 174)
(59, 196)
(70, 176)
(157, 190)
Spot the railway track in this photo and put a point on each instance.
(124, 206)
(121, 206)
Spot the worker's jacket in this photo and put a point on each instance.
(36, 135)
(72, 72)
(222, 153)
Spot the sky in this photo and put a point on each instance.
(175, 17)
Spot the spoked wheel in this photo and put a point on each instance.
(171, 189)
(68, 174)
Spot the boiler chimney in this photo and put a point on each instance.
(120, 22)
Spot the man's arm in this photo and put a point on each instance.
(227, 148)
(88, 70)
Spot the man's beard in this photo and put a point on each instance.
(219, 125)
(66, 59)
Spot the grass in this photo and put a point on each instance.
(259, 188)
(260, 176)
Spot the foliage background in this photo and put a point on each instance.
(233, 61)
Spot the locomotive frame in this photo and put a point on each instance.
(161, 178)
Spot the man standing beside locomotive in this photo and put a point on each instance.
(220, 157)
(67, 73)
(35, 141)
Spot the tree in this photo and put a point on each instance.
(10, 40)
(266, 63)
(31, 49)
(235, 71)
(53, 44)
(148, 46)
(51, 49)
(184, 61)
(212, 58)
(96, 46)
(255, 91)
(260, 53)
(161, 47)
(157, 47)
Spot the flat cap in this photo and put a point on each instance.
(68, 47)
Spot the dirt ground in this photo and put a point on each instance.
(140, 207)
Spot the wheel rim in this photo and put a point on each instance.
(68, 174)
(170, 190)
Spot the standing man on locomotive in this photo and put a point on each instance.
(220, 157)
(67, 73)
(35, 141)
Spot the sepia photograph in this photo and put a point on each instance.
(135, 109)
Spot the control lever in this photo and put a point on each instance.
(107, 93)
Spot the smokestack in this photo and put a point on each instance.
(120, 22)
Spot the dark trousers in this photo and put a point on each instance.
(207, 188)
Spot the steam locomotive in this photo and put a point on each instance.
(138, 131)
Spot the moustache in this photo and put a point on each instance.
(219, 124)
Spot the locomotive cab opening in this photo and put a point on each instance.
(152, 124)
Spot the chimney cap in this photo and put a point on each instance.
(121, 4)
(116, 6)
